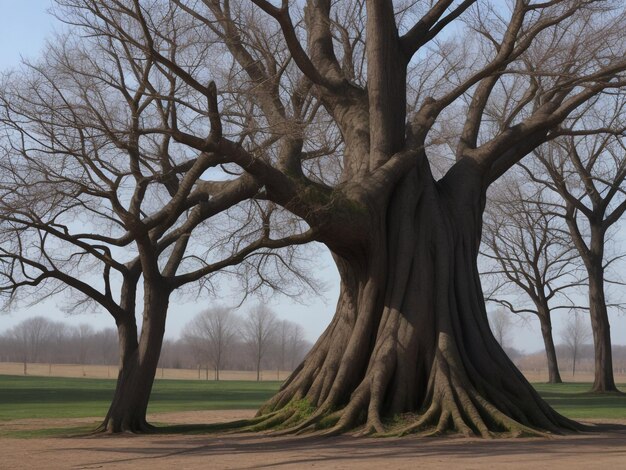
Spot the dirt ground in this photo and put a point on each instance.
(245, 451)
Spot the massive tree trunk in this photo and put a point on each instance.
(138, 365)
(603, 380)
(554, 376)
(409, 348)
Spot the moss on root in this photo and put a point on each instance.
(299, 417)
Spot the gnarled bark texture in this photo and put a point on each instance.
(409, 348)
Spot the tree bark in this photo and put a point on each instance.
(554, 376)
(138, 365)
(593, 257)
(603, 377)
(409, 348)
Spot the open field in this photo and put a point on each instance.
(55, 397)
(56, 414)
(110, 372)
(574, 401)
(583, 376)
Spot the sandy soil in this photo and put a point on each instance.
(244, 451)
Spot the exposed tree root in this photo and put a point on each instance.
(453, 403)
(437, 420)
(454, 407)
(486, 406)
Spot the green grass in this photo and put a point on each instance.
(574, 401)
(55, 397)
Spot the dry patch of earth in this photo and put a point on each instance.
(245, 451)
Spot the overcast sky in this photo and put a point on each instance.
(24, 27)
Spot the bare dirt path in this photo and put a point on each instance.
(245, 451)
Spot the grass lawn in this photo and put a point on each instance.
(55, 397)
(574, 401)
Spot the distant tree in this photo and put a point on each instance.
(212, 332)
(501, 323)
(288, 341)
(575, 334)
(59, 349)
(105, 344)
(196, 346)
(30, 336)
(258, 331)
(83, 335)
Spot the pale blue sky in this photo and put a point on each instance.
(24, 27)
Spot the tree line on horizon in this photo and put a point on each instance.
(219, 339)
(215, 339)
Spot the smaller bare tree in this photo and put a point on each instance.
(529, 256)
(211, 333)
(575, 334)
(259, 331)
(30, 337)
(500, 323)
(298, 348)
(289, 338)
(587, 168)
(105, 343)
(83, 335)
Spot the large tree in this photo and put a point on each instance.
(410, 336)
(94, 202)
